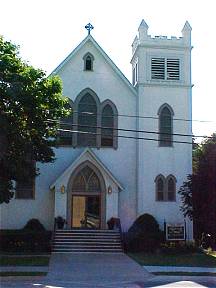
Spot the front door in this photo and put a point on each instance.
(85, 211)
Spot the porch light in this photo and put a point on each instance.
(109, 190)
(62, 189)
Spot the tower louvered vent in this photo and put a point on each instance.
(172, 69)
(158, 68)
(165, 69)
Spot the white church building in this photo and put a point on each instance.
(125, 150)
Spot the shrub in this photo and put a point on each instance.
(112, 223)
(179, 247)
(21, 241)
(60, 221)
(34, 225)
(144, 235)
(32, 238)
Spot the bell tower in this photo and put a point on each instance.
(161, 72)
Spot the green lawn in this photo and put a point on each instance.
(24, 261)
(6, 274)
(190, 259)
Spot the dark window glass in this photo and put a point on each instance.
(88, 63)
(165, 127)
(108, 124)
(79, 184)
(87, 121)
(171, 190)
(94, 183)
(25, 188)
(86, 181)
(65, 137)
(160, 189)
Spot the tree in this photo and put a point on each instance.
(30, 106)
(186, 196)
(198, 193)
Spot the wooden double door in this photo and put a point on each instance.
(86, 211)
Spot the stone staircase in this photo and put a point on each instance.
(87, 241)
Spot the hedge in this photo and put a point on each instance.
(25, 241)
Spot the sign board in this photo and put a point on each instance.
(175, 232)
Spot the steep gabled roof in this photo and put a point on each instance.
(105, 56)
(89, 155)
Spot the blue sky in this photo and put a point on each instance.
(48, 30)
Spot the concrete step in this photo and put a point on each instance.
(86, 231)
(87, 241)
(101, 241)
(86, 250)
(87, 234)
(86, 244)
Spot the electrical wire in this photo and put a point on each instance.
(126, 137)
(131, 130)
(136, 116)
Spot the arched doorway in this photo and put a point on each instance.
(86, 198)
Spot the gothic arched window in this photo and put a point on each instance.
(88, 62)
(87, 121)
(66, 127)
(107, 123)
(165, 125)
(160, 188)
(86, 181)
(171, 188)
(165, 188)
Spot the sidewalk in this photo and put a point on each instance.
(153, 269)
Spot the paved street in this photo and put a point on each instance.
(104, 271)
(158, 281)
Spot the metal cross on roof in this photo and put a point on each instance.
(89, 27)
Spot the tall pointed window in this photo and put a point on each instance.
(88, 62)
(66, 127)
(165, 188)
(171, 183)
(165, 126)
(107, 122)
(87, 121)
(91, 123)
(160, 188)
(25, 187)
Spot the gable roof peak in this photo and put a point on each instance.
(105, 56)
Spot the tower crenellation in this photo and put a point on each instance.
(144, 39)
(173, 51)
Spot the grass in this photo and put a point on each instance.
(184, 273)
(189, 259)
(24, 261)
(7, 274)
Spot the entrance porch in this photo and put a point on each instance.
(86, 193)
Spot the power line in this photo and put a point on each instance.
(122, 136)
(131, 130)
(136, 116)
